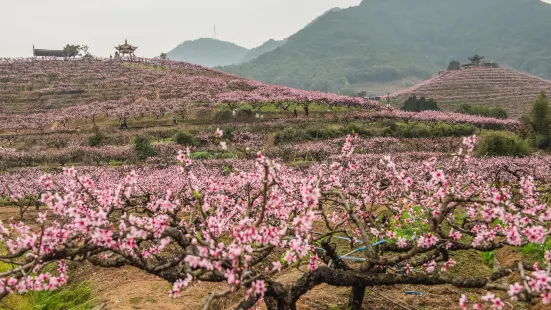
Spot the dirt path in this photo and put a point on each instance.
(129, 288)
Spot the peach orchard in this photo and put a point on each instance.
(401, 220)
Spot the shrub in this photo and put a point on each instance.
(482, 111)
(228, 131)
(319, 132)
(499, 113)
(95, 140)
(540, 119)
(417, 105)
(185, 138)
(223, 115)
(289, 134)
(245, 110)
(389, 123)
(143, 148)
(454, 65)
(161, 134)
(363, 131)
(448, 130)
(502, 144)
(540, 115)
(413, 130)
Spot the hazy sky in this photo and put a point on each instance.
(154, 25)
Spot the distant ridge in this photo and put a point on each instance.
(266, 47)
(208, 52)
(212, 53)
(392, 42)
(501, 87)
(335, 9)
(272, 44)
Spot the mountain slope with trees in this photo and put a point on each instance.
(382, 41)
(208, 52)
(266, 47)
(272, 44)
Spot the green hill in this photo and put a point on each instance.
(391, 41)
(208, 52)
(335, 9)
(266, 47)
(272, 44)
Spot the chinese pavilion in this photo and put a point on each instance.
(126, 49)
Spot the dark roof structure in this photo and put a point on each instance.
(126, 48)
(50, 53)
(476, 59)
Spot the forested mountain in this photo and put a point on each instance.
(335, 9)
(383, 41)
(272, 44)
(208, 52)
(266, 47)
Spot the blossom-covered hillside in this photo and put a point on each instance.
(35, 93)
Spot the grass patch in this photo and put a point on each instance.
(4, 202)
(489, 258)
(207, 155)
(116, 163)
(536, 252)
(76, 296)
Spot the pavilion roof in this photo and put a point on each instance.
(126, 47)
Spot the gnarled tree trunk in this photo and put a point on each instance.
(356, 298)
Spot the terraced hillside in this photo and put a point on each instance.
(31, 86)
(501, 87)
(36, 93)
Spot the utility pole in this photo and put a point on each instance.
(214, 32)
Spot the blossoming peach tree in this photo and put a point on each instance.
(403, 221)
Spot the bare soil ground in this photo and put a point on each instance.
(128, 288)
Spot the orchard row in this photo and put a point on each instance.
(212, 222)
